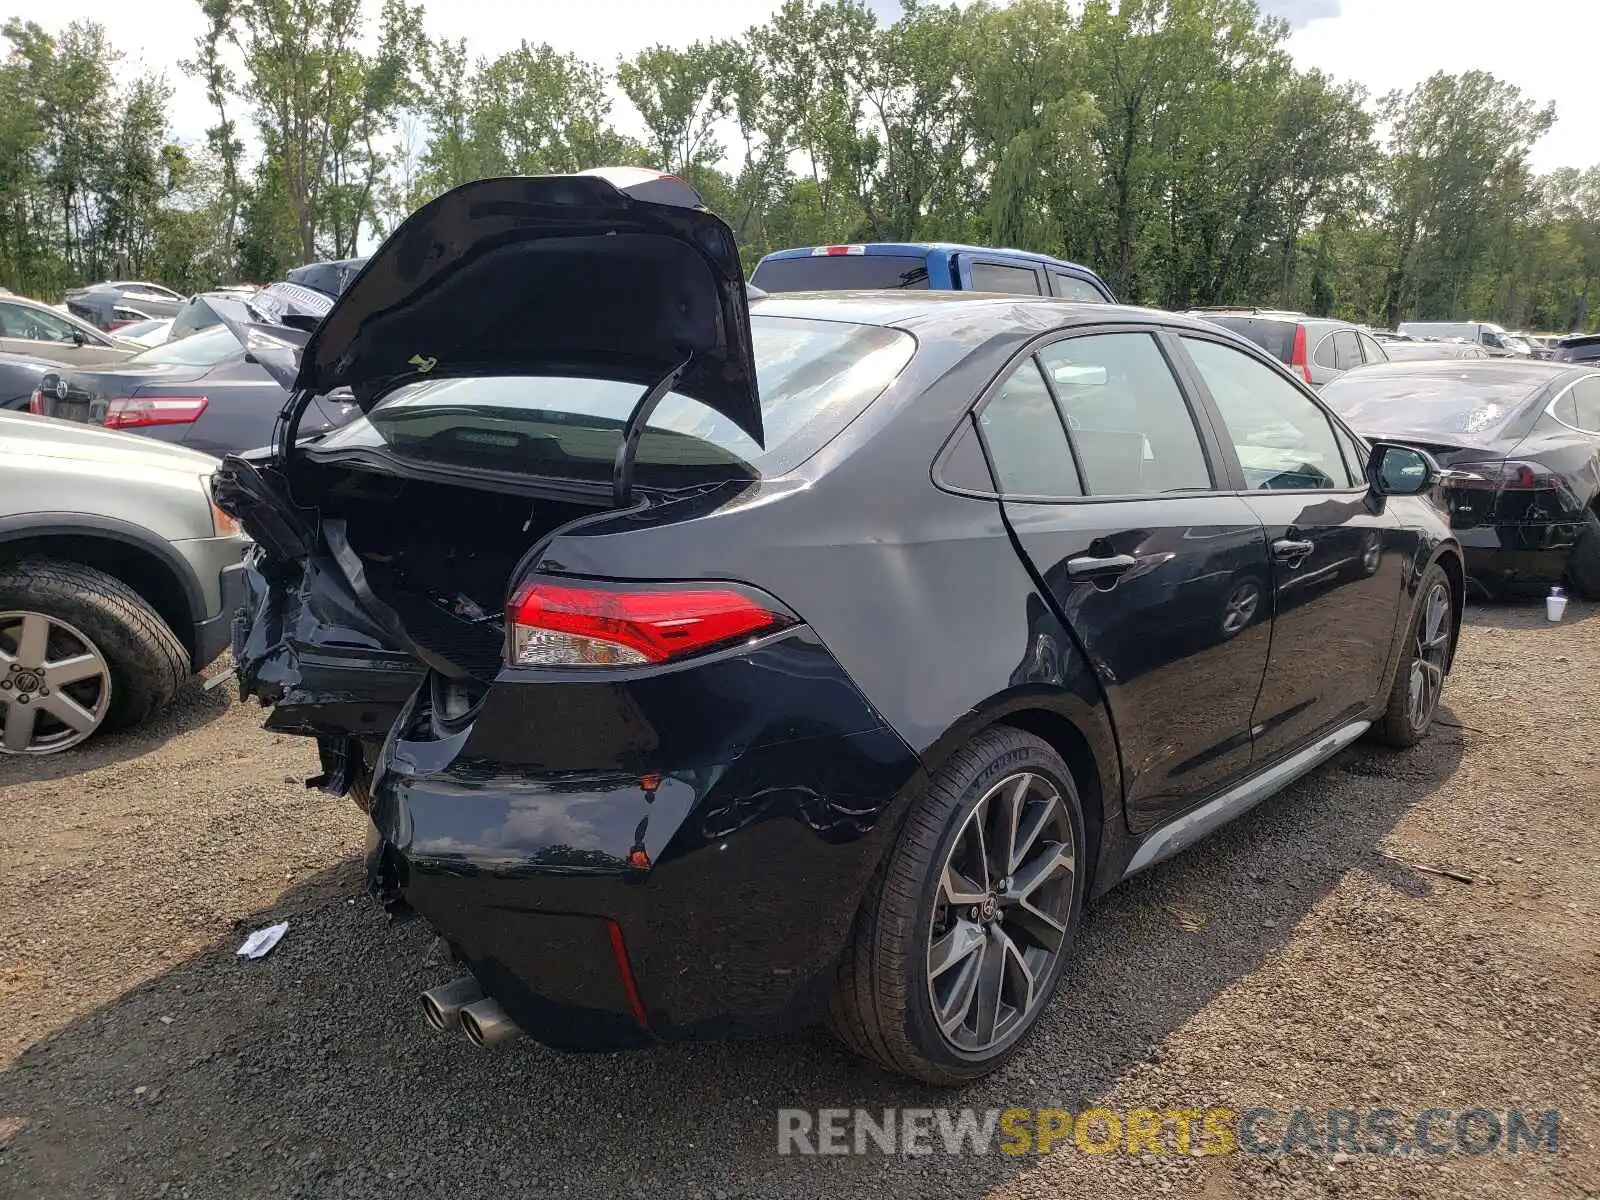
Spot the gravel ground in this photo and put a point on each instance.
(1301, 957)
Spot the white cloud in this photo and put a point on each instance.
(1300, 13)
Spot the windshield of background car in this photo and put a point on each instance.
(841, 272)
(1275, 337)
(204, 349)
(815, 377)
(1444, 402)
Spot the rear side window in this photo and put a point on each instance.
(995, 277)
(841, 272)
(815, 377)
(1580, 408)
(1127, 418)
(1026, 441)
(1346, 350)
(1275, 337)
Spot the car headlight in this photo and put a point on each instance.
(222, 525)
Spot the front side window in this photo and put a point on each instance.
(1126, 416)
(34, 325)
(994, 277)
(1371, 351)
(1070, 287)
(1283, 440)
(1026, 442)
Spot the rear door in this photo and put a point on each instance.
(979, 274)
(1339, 557)
(1110, 487)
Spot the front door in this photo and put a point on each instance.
(1338, 558)
(1110, 490)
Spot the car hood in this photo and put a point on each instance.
(49, 438)
(550, 275)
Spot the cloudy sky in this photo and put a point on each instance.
(1546, 47)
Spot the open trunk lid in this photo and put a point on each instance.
(555, 276)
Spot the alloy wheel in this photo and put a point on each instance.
(1241, 608)
(1428, 658)
(55, 684)
(1005, 895)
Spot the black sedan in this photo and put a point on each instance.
(20, 377)
(205, 391)
(1521, 440)
(710, 668)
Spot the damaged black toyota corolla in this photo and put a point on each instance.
(709, 669)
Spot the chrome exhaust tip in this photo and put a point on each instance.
(485, 1023)
(442, 1005)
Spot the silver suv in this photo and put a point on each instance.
(118, 578)
(1314, 348)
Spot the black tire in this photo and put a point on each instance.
(882, 1008)
(1583, 566)
(147, 663)
(1397, 726)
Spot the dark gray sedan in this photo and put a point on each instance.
(204, 391)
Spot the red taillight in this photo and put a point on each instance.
(593, 625)
(36, 402)
(1508, 476)
(1298, 359)
(836, 251)
(140, 412)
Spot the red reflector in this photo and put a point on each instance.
(619, 952)
(36, 402)
(586, 625)
(140, 412)
(835, 251)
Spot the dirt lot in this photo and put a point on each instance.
(1299, 958)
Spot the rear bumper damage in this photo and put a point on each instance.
(1511, 558)
(617, 865)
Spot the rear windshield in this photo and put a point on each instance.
(203, 349)
(1275, 337)
(815, 377)
(841, 272)
(1446, 401)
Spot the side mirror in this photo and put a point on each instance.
(77, 336)
(1396, 470)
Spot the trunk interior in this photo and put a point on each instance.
(439, 557)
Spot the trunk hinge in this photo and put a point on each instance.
(288, 423)
(633, 430)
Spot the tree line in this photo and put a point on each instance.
(1171, 144)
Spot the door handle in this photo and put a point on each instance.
(1112, 566)
(1289, 550)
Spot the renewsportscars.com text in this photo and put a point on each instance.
(1208, 1131)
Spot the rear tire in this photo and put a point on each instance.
(1423, 659)
(922, 944)
(146, 662)
(1583, 566)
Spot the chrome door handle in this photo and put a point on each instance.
(1288, 549)
(1087, 566)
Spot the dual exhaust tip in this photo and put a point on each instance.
(461, 1004)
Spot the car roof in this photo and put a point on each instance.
(1505, 372)
(919, 248)
(928, 311)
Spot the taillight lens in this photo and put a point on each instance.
(570, 624)
(140, 412)
(36, 403)
(1508, 476)
(1299, 359)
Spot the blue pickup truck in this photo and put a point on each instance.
(941, 266)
